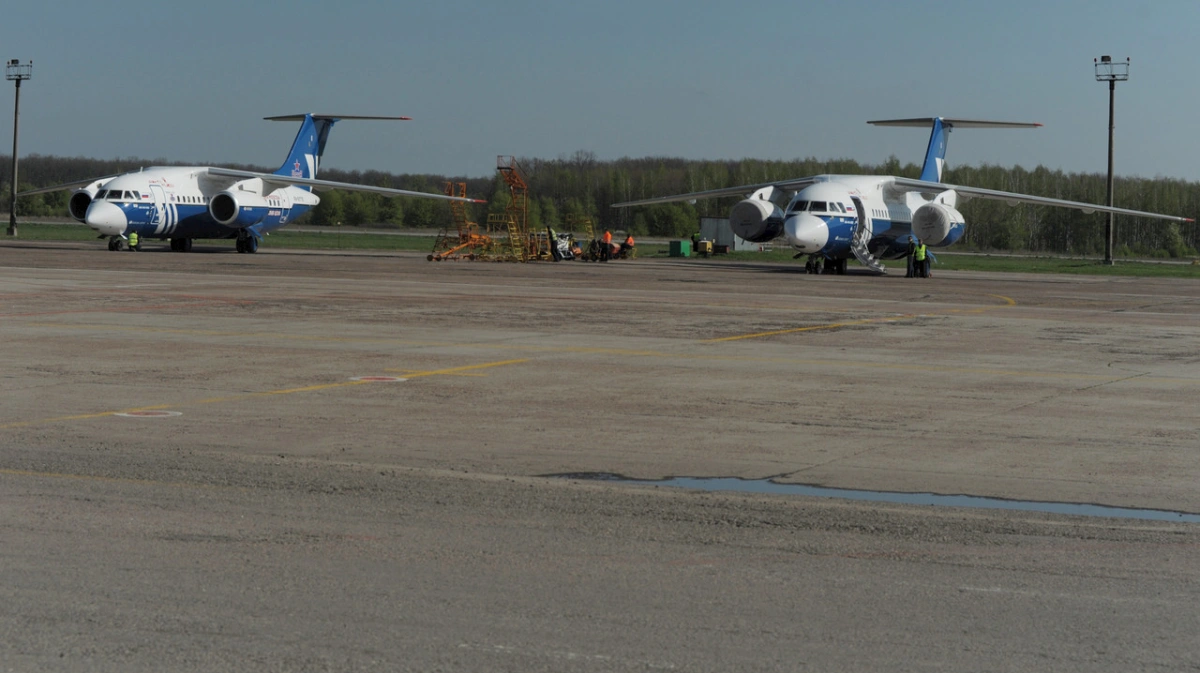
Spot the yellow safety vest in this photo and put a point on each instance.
(133, 238)
(919, 255)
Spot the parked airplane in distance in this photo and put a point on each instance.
(832, 218)
(184, 203)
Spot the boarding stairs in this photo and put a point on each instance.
(858, 246)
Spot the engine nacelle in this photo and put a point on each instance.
(756, 220)
(224, 208)
(80, 200)
(937, 224)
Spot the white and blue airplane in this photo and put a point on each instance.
(185, 203)
(832, 218)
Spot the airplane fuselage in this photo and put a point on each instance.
(183, 203)
(822, 219)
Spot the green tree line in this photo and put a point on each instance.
(582, 185)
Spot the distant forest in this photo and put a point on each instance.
(581, 185)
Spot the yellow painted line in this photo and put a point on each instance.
(262, 336)
(210, 400)
(456, 370)
(110, 480)
(866, 321)
(246, 396)
(409, 373)
(810, 328)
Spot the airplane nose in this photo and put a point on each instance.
(806, 233)
(106, 218)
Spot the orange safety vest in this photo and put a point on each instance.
(607, 238)
(629, 241)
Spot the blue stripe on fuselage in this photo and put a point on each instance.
(193, 221)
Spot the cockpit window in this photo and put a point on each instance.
(837, 206)
(799, 206)
(818, 207)
(100, 194)
(114, 195)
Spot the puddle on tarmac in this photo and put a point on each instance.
(769, 486)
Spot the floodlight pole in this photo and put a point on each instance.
(1108, 71)
(16, 73)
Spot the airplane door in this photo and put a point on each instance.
(160, 208)
(864, 229)
(285, 205)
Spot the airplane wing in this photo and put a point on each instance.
(743, 191)
(1012, 198)
(66, 185)
(283, 180)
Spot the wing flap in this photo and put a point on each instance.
(1012, 198)
(283, 181)
(742, 190)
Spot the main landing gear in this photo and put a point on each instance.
(181, 244)
(815, 264)
(247, 243)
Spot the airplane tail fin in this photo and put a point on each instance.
(935, 155)
(305, 156)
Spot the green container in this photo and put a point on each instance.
(681, 248)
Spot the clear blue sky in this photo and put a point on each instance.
(697, 79)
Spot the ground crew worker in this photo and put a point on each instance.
(627, 246)
(133, 241)
(606, 248)
(921, 260)
(912, 249)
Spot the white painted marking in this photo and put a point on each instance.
(152, 413)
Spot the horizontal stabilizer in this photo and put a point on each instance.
(925, 122)
(300, 118)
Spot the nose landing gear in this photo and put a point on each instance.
(115, 243)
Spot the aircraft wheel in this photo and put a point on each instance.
(241, 245)
(251, 245)
(185, 245)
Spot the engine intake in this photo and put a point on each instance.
(224, 208)
(78, 205)
(937, 224)
(756, 220)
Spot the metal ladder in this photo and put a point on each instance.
(858, 246)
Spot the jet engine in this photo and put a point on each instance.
(756, 220)
(937, 224)
(80, 200)
(224, 208)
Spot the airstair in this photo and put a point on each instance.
(858, 244)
